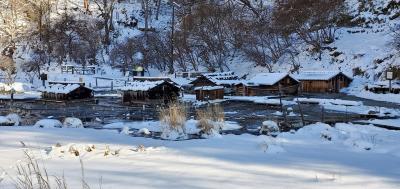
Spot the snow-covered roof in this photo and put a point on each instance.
(141, 85)
(208, 88)
(59, 88)
(182, 81)
(66, 82)
(266, 79)
(220, 74)
(317, 75)
(223, 78)
(150, 78)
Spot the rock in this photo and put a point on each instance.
(72, 122)
(48, 123)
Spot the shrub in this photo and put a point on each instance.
(210, 120)
(173, 121)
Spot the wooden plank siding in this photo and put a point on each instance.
(264, 90)
(204, 95)
(164, 92)
(332, 85)
(79, 93)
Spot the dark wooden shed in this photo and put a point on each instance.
(209, 93)
(66, 91)
(323, 81)
(270, 83)
(147, 91)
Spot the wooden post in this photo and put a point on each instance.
(322, 115)
(112, 85)
(301, 113)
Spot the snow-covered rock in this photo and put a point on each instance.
(48, 123)
(14, 118)
(72, 122)
(144, 131)
(269, 127)
(10, 120)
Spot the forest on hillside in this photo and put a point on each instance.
(189, 34)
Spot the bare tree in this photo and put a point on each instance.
(106, 8)
(396, 37)
(314, 21)
(7, 66)
(12, 25)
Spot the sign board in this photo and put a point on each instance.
(389, 75)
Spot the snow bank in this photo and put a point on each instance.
(310, 160)
(17, 86)
(72, 122)
(270, 127)
(10, 120)
(260, 100)
(330, 101)
(48, 123)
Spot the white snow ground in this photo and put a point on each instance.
(317, 156)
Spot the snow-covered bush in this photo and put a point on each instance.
(10, 120)
(211, 120)
(48, 123)
(72, 122)
(17, 86)
(269, 127)
(144, 131)
(14, 118)
(173, 121)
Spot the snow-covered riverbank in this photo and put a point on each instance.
(317, 156)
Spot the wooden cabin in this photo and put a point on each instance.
(226, 79)
(270, 83)
(322, 81)
(209, 93)
(145, 91)
(66, 91)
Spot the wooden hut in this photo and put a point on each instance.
(226, 79)
(270, 83)
(205, 93)
(322, 81)
(66, 91)
(145, 91)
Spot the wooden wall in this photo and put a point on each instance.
(264, 90)
(204, 95)
(319, 86)
(79, 93)
(162, 93)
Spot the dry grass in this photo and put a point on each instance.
(33, 176)
(204, 123)
(211, 119)
(174, 116)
